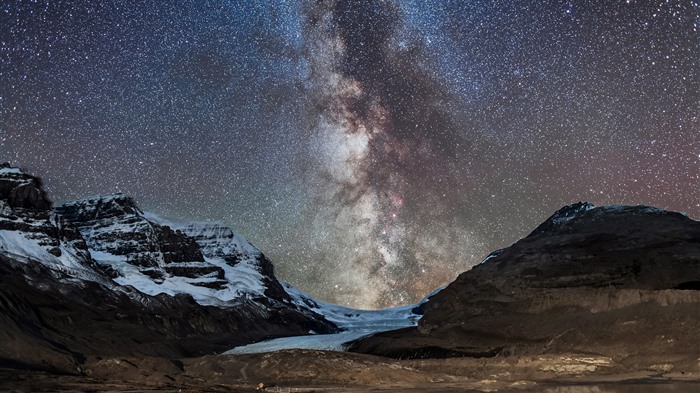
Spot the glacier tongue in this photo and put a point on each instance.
(355, 324)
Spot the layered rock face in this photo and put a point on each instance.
(99, 277)
(22, 191)
(30, 229)
(618, 281)
(157, 255)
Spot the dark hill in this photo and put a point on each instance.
(616, 281)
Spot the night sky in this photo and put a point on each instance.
(372, 149)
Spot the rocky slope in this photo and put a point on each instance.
(156, 255)
(615, 281)
(98, 277)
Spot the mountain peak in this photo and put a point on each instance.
(562, 216)
(21, 190)
(576, 213)
(100, 207)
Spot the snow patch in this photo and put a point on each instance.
(492, 255)
(15, 242)
(10, 170)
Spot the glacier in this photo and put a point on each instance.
(354, 324)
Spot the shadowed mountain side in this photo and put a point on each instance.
(56, 326)
(613, 281)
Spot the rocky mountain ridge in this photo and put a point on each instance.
(99, 277)
(155, 255)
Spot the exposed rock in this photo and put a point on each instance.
(218, 241)
(97, 278)
(615, 281)
(20, 190)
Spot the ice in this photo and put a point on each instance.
(328, 342)
(354, 323)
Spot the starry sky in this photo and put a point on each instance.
(372, 149)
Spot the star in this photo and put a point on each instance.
(372, 149)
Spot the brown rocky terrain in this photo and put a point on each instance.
(322, 371)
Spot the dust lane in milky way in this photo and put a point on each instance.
(373, 149)
(393, 153)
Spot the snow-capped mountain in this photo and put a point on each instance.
(109, 240)
(253, 272)
(99, 276)
(154, 255)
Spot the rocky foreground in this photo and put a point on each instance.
(324, 371)
(95, 295)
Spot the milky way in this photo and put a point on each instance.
(373, 149)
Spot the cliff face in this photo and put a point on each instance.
(619, 281)
(22, 191)
(156, 255)
(30, 229)
(99, 277)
